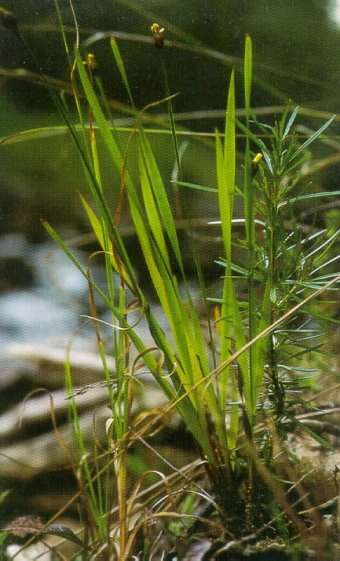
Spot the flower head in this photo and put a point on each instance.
(158, 34)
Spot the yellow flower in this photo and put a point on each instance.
(158, 34)
(257, 158)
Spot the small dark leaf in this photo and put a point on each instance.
(63, 532)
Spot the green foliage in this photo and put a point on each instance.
(231, 392)
(278, 271)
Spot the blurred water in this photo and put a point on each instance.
(47, 310)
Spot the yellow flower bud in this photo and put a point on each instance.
(257, 158)
(158, 34)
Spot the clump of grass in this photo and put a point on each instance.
(238, 393)
(222, 406)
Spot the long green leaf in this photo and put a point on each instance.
(230, 325)
(152, 211)
(97, 227)
(160, 195)
(121, 68)
(104, 127)
(248, 72)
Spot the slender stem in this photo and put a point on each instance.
(274, 228)
(250, 218)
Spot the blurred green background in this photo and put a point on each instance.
(296, 50)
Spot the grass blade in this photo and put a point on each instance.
(248, 72)
(121, 67)
(312, 138)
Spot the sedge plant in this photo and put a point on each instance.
(221, 411)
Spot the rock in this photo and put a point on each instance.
(28, 456)
(38, 410)
(48, 363)
(25, 459)
(30, 553)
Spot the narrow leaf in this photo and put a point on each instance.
(248, 72)
(121, 68)
(312, 138)
(195, 186)
(290, 122)
(99, 233)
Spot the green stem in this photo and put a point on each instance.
(250, 232)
